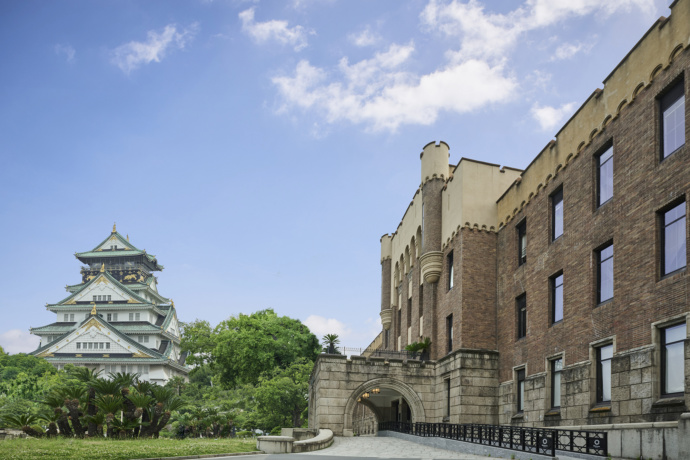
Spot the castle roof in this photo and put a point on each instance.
(104, 275)
(124, 249)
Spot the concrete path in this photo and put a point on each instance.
(374, 447)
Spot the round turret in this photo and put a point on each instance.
(435, 160)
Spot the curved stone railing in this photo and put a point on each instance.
(287, 443)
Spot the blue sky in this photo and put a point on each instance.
(261, 148)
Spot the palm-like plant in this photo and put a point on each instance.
(98, 420)
(330, 341)
(109, 404)
(23, 422)
(124, 428)
(55, 401)
(88, 377)
(141, 401)
(50, 417)
(73, 396)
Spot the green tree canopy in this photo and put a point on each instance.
(246, 346)
(198, 340)
(283, 395)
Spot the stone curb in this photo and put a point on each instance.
(236, 454)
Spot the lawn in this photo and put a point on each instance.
(61, 449)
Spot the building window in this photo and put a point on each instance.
(604, 355)
(95, 297)
(109, 316)
(71, 317)
(109, 297)
(66, 317)
(605, 179)
(107, 345)
(386, 336)
(673, 120)
(522, 242)
(78, 345)
(447, 382)
(557, 214)
(556, 369)
(449, 259)
(521, 303)
(605, 274)
(520, 376)
(673, 239)
(449, 332)
(673, 360)
(557, 298)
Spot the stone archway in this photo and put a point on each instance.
(412, 398)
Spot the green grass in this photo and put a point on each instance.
(61, 449)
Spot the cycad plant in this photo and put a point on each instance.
(23, 422)
(72, 396)
(51, 417)
(109, 405)
(55, 401)
(88, 377)
(330, 341)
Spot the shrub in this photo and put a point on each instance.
(244, 434)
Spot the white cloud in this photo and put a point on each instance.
(359, 336)
(68, 51)
(364, 38)
(550, 117)
(18, 341)
(384, 94)
(568, 50)
(381, 94)
(130, 56)
(274, 30)
(488, 35)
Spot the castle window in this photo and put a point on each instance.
(520, 377)
(557, 298)
(447, 385)
(556, 370)
(604, 355)
(522, 242)
(71, 317)
(673, 120)
(449, 332)
(109, 297)
(449, 259)
(605, 176)
(95, 298)
(557, 214)
(107, 345)
(673, 239)
(673, 360)
(78, 345)
(605, 274)
(521, 303)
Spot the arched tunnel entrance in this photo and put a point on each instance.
(381, 400)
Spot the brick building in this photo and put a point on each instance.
(555, 295)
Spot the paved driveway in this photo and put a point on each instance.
(370, 447)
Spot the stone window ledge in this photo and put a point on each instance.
(553, 413)
(677, 401)
(597, 409)
(519, 416)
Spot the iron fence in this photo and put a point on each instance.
(544, 441)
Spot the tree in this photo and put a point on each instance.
(249, 345)
(198, 340)
(283, 395)
(330, 341)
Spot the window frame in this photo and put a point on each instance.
(556, 198)
(608, 148)
(553, 289)
(599, 271)
(449, 333)
(600, 374)
(521, 311)
(674, 93)
(664, 365)
(522, 242)
(520, 375)
(556, 373)
(449, 263)
(662, 235)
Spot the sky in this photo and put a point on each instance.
(261, 148)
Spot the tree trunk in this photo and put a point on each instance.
(52, 430)
(296, 417)
(63, 425)
(73, 408)
(91, 410)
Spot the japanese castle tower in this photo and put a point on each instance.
(115, 320)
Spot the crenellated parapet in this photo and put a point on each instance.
(651, 56)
